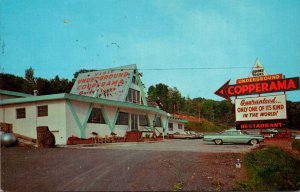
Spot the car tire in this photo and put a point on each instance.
(253, 141)
(218, 141)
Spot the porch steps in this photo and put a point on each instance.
(133, 136)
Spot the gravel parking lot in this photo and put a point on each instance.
(188, 165)
(183, 145)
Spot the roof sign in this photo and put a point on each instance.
(110, 84)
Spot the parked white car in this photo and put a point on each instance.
(185, 135)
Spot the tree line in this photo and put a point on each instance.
(172, 101)
(44, 86)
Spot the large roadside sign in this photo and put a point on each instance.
(260, 112)
(260, 87)
(261, 108)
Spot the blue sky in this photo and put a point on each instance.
(59, 37)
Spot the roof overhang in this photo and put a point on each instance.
(14, 93)
(87, 99)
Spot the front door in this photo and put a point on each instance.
(134, 122)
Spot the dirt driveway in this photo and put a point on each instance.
(111, 168)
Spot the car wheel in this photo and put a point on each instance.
(218, 141)
(253, 141)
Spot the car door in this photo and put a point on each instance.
(239, 137)
(226, 136)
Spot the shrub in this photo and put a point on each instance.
(271, 169)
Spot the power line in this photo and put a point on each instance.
(191, 68)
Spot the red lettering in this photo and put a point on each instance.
(251, 88)
(125, 74)
(257, 88)
(80, 81)
(230, 90)
(281, 85)
(264, 87)
(273, 86)
(115, 82)
(84, 86)
(244, 126)
(291, 84)
(238, 90)
(121, 81)
(244, 88)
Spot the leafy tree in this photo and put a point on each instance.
(11, 82)
(58, 85)
(160, 91)
(175, 100)
(43, 86)
(30, 82)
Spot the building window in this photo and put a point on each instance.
(179, 126)
(96, 116)
(122, 118)
(143, 120)
(134, 81)
(20, 113)
(133, 96)
(42, 111)
(157, 122)
(170, 126)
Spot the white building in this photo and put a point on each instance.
(105, 102)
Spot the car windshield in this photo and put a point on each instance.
(226, 132)
(245, 132)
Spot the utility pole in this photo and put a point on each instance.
(199, 111)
